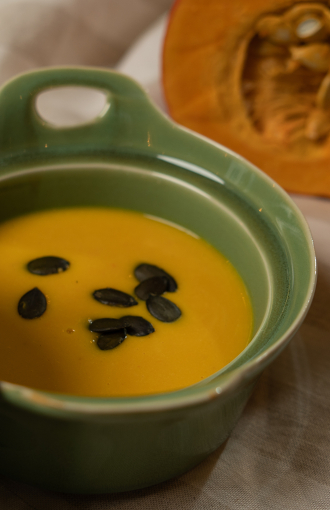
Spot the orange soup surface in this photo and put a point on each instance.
(57, 352)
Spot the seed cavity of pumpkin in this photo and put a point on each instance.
(298, 43)
(44, 266)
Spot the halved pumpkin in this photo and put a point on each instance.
(255, 76)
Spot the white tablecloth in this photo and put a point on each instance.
(278, 456)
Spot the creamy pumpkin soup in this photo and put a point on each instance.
(105, 302)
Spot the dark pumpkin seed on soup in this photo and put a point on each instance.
(33, 304)
(105, 325)
(163, 309)
(137, 326)
(48, 265)
(111, 340)
(110, 329)
(144, 271)
(134, 325)
(113, 297)
(155, 286)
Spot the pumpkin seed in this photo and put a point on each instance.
(310, 22)
(313, 56)
(106, 325)
(145, 271)
(32, 305)
(308, 27)
(113, 297)
(163, 309)
(111, 340)
(137, 326)
(155, 286)
(48, 265)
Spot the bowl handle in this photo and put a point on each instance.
(128, 123)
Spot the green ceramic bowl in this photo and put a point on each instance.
(133, 157)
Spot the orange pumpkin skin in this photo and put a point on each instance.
(214, 51)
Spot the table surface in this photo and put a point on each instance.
(278, 456)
